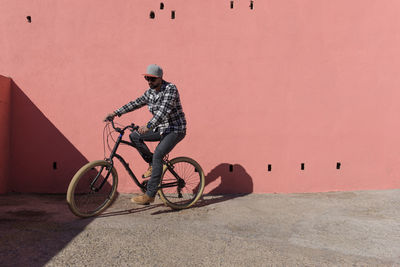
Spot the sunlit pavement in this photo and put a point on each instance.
(336, 229)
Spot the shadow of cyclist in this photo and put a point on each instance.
(234, 182)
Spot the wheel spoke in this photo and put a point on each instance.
(193, 184)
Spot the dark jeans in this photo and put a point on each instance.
(167, 143)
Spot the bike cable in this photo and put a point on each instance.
(104, 140)
(107, 132)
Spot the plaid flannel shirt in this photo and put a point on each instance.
(165, 106)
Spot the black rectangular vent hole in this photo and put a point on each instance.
(55, 165)
(269, 167)
(29, 19)
(173, 14)
(338, 165)
(231, 4)
(230, 168)
(302, 166)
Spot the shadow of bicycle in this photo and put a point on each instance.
(234, 182)
(130, 211)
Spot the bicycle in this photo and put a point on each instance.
(93, 188)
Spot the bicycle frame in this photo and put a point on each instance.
(180, 183)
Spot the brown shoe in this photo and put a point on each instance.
(142, 199)
(147, 174)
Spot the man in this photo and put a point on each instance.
(168, 126)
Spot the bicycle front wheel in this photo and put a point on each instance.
(185, 190)
(92, 189)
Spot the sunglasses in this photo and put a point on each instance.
(150, 79)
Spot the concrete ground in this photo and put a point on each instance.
(323, 229)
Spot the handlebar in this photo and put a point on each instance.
(132, 126)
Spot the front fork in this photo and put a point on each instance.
(92, 185)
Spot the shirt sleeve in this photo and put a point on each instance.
(167, 104)
(131, 106)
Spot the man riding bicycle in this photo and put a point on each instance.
(168, 126)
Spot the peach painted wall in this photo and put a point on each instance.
(5, 100)
(284, 83)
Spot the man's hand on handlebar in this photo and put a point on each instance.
(133, 127)
(143, 129)
(110, 117)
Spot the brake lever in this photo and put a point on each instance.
(134, 128)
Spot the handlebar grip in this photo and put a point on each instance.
(109, 118)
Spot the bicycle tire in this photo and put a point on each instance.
(82, 200)
(192, 173)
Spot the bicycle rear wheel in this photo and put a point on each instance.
(92, 189)
(188, 187)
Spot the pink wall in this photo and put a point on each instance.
(42, 159)
(5, 99)
(286, 83)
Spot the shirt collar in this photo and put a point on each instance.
(163, 86)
